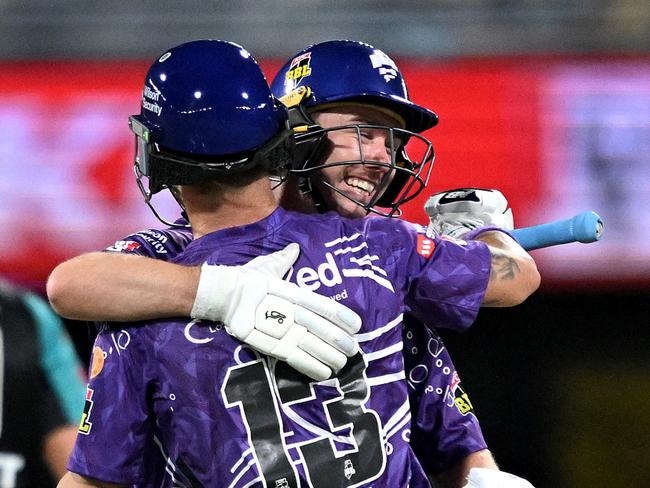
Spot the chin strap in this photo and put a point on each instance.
(307, 189)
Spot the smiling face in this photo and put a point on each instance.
(361, 181)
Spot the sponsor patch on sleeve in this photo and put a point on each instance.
(86, 425)
(124, 246)
(425, 246)
(97, 363)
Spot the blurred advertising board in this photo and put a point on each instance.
(557, 136)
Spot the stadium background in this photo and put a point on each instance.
(547, 101)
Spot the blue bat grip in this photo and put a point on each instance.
(584, 227)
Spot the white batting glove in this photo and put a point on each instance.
(456, 212)
(312, 333)
(492, 478)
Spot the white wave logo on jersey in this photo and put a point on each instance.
(386, 66)
(328, 274)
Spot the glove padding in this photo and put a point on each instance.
(492, 478)
(312, 333)
(455, 212)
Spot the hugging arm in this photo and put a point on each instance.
(513, 272)
(316, 338)
(109, 286)
(475, 213)
(456, 476)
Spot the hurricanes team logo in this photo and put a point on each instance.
(298, 70)
(384, 65)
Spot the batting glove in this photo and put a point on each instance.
(312, 333)
(491, 478)
(456, 212)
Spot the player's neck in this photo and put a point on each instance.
(291, 198)
(223, 206)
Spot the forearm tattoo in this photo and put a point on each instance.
(503, 267)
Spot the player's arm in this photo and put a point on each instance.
(478, 470)
(73, 480)
(456, 476)
(109, 286)
(472, 213)
(57, 447)
(513, 272)
(314, 334)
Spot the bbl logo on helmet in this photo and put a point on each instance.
(298, 69)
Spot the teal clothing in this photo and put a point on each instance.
(41, 385)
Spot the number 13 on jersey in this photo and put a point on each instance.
(261, 397)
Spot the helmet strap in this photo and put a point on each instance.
(307, 188)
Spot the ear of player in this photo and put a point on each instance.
(456, 212)
(312, 333)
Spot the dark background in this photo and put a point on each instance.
(561, 385)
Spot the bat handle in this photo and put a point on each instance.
(584, 227)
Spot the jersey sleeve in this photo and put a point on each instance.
(116, 427)
(445, 428)
(158, 244)
(447, 279)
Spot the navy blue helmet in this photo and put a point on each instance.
(339, 72)
(207, 110)
(352, 71)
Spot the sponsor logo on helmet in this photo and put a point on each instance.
(298, 70)
(150, 97)
(384, 65)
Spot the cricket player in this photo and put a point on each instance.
(374, 264)
(320, 84)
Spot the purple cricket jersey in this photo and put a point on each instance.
(158, 244)
(273, 423)
(444, 428)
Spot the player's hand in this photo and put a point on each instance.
(491, 478)
(456, 212)
(312, 333)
